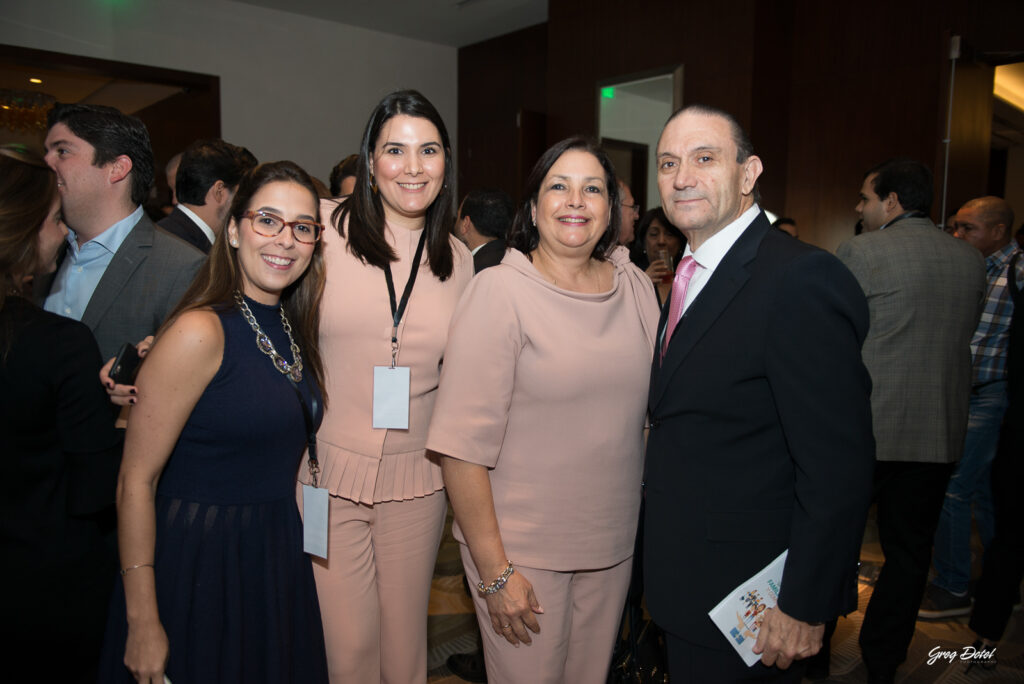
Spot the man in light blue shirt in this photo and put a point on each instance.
(121, 276)
(84, 265)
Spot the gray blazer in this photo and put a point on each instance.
(147, 276)
(925, 291)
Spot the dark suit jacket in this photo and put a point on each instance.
(178, 223)
(147, 276)
(490, 254)
(760, 438)
(57, 479)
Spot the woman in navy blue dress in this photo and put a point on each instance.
(216, 585)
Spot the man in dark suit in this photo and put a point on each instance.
(208, 175)
(120, 275)
(760, 435)
(484, 219)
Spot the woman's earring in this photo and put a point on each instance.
(373, 184)
(234, 243)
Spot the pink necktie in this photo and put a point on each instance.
(685, 270)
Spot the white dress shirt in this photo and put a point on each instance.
(207, 231)
(713, 250)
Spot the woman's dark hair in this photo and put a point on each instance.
(27, 188)
(220, 276)
(524, 235)
(364, 208)
(638, 251)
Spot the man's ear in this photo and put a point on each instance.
(752, 169)
(218, 193)
(119, 169)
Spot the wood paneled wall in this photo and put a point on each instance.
(502, 99)
(825, 89)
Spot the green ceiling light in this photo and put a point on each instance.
(608, 92)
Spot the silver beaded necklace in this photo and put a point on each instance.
(294, 369)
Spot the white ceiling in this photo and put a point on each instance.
(448, 22)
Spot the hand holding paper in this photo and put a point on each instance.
(783, 639)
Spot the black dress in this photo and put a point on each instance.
(59, 455)
(235, 590)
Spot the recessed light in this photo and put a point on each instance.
(5, 106)
(37, 81)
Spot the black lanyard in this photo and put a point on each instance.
(397, 310)
(314, 464)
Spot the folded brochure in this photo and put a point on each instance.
(740, 613)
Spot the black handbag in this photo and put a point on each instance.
(639, 656)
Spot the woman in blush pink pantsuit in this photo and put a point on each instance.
(539, 422)
(386, 500)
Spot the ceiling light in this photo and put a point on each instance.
(37, 81)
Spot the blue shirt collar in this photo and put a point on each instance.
(112, 237)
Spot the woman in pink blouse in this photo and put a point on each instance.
(386, 501)
(539, 422)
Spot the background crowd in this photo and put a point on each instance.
(325, 366)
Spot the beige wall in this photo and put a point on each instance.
(292, 87)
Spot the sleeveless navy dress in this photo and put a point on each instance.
(235, 590)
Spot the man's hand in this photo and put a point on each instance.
(783, 639)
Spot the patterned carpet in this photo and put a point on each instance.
(451, 630)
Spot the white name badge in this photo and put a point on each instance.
(391, 397)
(314, 520)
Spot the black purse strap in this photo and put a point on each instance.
(314, 464)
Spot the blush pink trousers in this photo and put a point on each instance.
(374, 588)
(578, 628)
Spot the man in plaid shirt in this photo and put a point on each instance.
(986, 223)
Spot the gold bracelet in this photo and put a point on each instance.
(140, 565)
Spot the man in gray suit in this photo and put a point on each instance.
(924, 291)
(120, 275)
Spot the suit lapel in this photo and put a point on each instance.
(129, 256)
(728, 279)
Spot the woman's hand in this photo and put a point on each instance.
(145, 652)
(512, 610)
(123, 395)
(658, 270)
